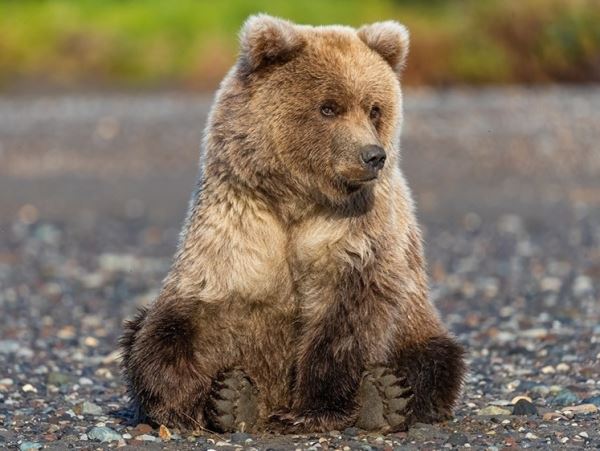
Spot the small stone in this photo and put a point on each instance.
(493, 410)
(524, 407)
(593, 400)
(9, 347)
(85, 381)
(583, 434)
(516, 399)
(549, 416)
(164, 433)
(457, 439)
(28, 446)
(542, 390)
(240, 437)
(103, 434)
(583, 409)
(562, 367)
(7, 382)
(531, 436)
(58, 379)
(425, 432)
(28, 388)
(141, 429)
(564, 398)
(548, 369)
(351, 432)
(92, 342)
(88, 408)
(564, 440)
(146, 438)
(83, 437)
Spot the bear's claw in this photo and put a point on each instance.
(233, 404)
(385, 401)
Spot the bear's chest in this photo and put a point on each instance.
(324, 247)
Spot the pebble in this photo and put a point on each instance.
(88, 408)
(56, 378)
(581, 409)
(240, 437)
(564, 398)
(549, 416)
(548, 370)
(525, 407)
(562, 367)
(92, 342)
(28, 446)
(493, 410)
(351, 432)
(28, 388)
(103, 434)
(141, 429)
(583, 434)
(164, 433)
(146, 438)
(7, 382)
(516, 399)
(457, 439)
(531, 436)
(593, 400)
(9, 347)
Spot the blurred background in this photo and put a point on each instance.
(102, 109)
(190, 44)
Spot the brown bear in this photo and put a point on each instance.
(297, 300)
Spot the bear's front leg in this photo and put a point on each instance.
(330, 359)
(166, 381)
(435, 370)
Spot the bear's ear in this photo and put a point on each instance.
(390, 39)
(265, 39)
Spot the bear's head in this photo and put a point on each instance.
(323, 103)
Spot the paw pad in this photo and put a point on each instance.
(233, 405)
(384, 399)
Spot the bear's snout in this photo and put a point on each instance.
(373, 158)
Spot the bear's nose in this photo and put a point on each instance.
(373, 157)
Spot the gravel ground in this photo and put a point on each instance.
(92, 192)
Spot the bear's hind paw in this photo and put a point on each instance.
(385, 401)
(233, 404)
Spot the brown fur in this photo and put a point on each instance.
(290, 265)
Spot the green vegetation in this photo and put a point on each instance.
(191, 43)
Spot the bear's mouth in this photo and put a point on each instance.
(362, 181)
(353, 185)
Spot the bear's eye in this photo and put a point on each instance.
(328, 109)
(375, 113)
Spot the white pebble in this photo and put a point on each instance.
(562, 367)
(6, 381)
(583, 434)
(29, 388)
(548, 370)
(531, 436)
